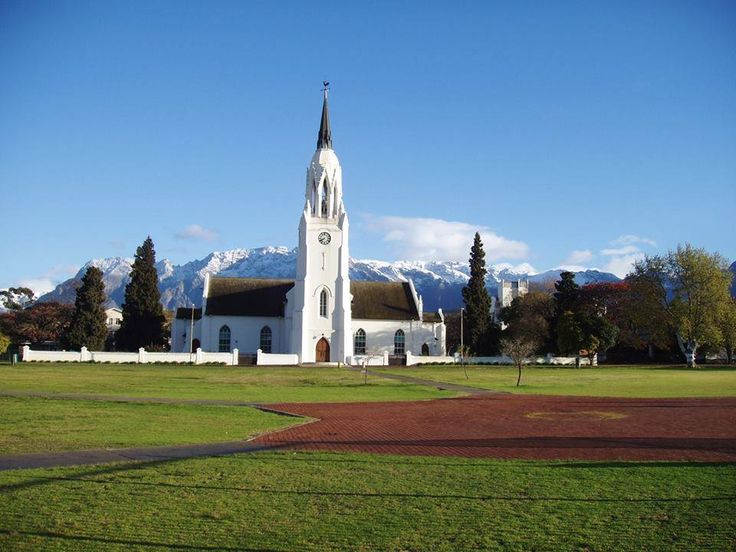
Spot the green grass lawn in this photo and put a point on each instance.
(41, 425)
(324, 501)
(250, 384)
(604, 381)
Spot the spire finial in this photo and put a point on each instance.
(324, 138)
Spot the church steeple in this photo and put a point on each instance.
(324, 138)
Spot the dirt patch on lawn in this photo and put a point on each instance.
(522, 426)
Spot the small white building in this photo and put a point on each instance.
(508, 290)
(113, 319)
(321, 316)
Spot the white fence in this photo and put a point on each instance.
(548, 359)
(275, 359)
(412, 360)
(141, 357)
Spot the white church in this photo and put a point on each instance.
(321, 316)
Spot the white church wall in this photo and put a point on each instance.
(180, 329)
(245, 333)
(380, 335)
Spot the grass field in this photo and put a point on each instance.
(311, 501)
(41, 425)
(249, 384)
(605, 381)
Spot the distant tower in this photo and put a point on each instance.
(321, 329)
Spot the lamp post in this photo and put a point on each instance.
(191, 334)
(462, 343)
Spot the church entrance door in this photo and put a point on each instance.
(323, 351)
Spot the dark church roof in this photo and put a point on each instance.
(383, 301)
(185, 313)
(247, 296)
(267, 297)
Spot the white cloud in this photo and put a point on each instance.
(427, 239)
(196, 232)
(38, 285)
(629, 239)
(621, 265)
(48, 281)
(578, 256)
(622, 258)
(625, 250)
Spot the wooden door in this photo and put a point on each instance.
(323, 350)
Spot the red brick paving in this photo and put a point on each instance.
(519, 426)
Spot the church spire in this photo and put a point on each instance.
(324, 138)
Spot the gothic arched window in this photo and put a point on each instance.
(323, 199)
(399, 345)
(266, 339)
(323, 303)
(359, 342)
(224, 340)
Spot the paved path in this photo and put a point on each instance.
(484, 425)
(522, 426)
(141, 454)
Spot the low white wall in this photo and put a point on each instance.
(412, 360)
(276, 359)
(103, 356)
(369, 360)
(141, 357)
(549, 359)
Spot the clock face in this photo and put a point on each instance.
(324, 238)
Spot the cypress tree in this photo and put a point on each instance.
(88, 321)
(477, 301)
(567, 295)
(143, 318)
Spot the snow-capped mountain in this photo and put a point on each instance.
(439, 282)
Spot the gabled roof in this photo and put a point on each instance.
(185, 313)
(247, 296)
(383, 301)
(267, 297)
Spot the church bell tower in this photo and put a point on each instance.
(321, 327)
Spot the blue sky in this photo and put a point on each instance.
(569, 133)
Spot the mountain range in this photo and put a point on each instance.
(439, 282)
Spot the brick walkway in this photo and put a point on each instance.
(525, 427)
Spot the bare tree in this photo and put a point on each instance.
(519, 347)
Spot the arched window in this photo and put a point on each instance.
(323, 303)
(359, 342)
(399, 347)
(224, 341)
(323, 199)
(266, 339)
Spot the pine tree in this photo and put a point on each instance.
(143, 318)
(88, 321)
(567, 295)
(478, 323)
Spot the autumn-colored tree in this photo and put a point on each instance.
(4, 342)
(686, 290)
(41, 322)
(727, 325)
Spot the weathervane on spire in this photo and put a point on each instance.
(325, 87)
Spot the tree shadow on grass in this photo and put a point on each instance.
(127, 542)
